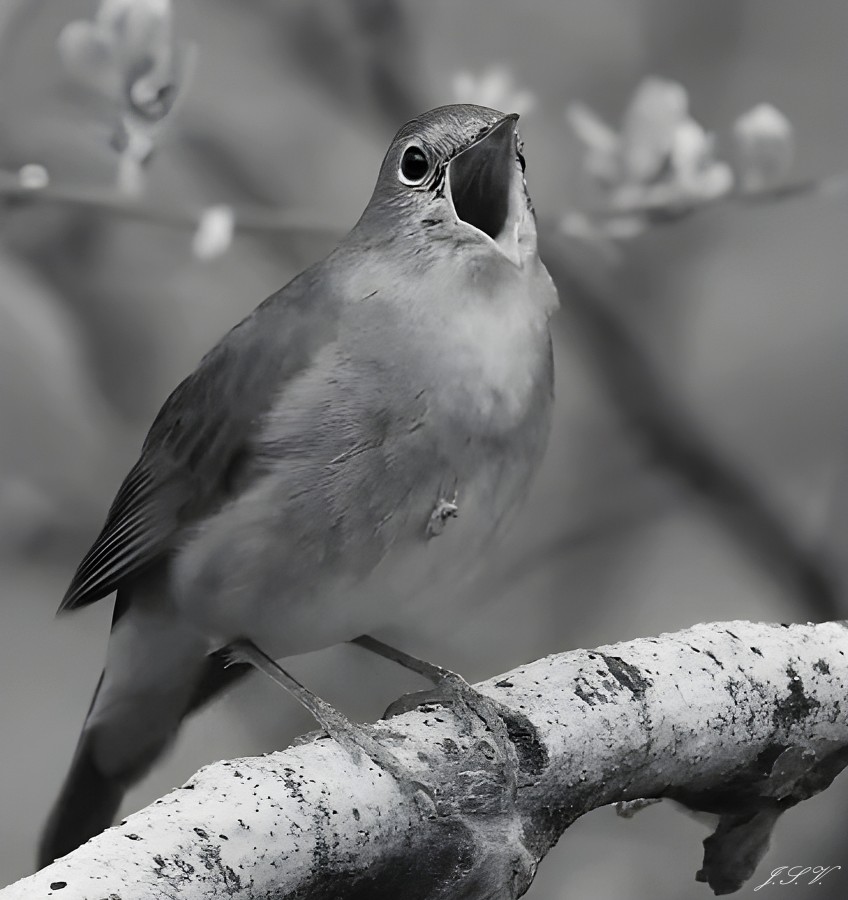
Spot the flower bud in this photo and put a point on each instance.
(214, 232)
(765, 147)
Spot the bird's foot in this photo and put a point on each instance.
(444, 510)
(352, 737)
(468, 703)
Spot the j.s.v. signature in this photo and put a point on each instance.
(792, 874)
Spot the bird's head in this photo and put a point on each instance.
(454, 177)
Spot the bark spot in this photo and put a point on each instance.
(796, 705)
(627, 675)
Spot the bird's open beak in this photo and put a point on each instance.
(485, 184)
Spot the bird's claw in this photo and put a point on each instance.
(468, 702)
(235, 654)
(444, 510)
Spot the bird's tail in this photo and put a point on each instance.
(157, 672)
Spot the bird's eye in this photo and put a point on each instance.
(414, 166)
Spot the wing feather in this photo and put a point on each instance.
(198, 449)
(140, 524)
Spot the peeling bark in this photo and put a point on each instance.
(739, 719)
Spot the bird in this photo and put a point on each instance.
(336, 462)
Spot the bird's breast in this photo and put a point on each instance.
(491, 359)
(410, 407)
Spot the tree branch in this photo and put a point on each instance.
(739, 719)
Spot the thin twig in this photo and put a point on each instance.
(249, 219)
(261, 220)
(664, 213)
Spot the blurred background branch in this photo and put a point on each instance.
(31, 185)
(115, 203)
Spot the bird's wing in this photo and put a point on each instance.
(197, 452)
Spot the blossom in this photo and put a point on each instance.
(495, 87)
(662, 161)
(765, 147)
(127, 55)
(33, 177)
(214, 232)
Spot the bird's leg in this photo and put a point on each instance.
(452, 687)
(351, 736)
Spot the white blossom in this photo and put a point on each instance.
(601, 144)
(33, 177)
(127, 53)
(662, 162)
(495, 87)
(657, 110)
(214, 232)
(693, 161)
(765, 147)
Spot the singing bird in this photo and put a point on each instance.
(336, 461)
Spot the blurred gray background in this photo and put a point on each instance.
(700, 442)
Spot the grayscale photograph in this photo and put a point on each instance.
(423, 449)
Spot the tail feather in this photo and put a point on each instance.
(111, 755)
(87, 805)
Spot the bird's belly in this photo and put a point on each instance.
(419, 575)
(422, 574)
(319, 552)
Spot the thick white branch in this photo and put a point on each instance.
(741, 719)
